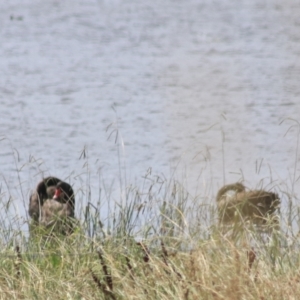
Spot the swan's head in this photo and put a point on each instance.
(63, 192)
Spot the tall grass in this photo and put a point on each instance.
(152, 240)
(160, 243)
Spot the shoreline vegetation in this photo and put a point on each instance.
(159, 242)
(152, 240)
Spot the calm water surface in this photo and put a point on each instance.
(204, 89)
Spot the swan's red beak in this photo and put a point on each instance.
(57, 194)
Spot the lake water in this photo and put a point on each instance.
(204, 92)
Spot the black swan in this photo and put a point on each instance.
(52, 204)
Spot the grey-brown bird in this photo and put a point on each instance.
(235, 203)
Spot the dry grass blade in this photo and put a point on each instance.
(146, 256)
(129, 267)
(251, 258)
(102, 287)
(165, 257)
(18, 262)
(164, 252)
(107, 276)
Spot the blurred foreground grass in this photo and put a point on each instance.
(158, 243)
(161, 267)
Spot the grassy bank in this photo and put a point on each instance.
(157, 242)
(121, 268)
